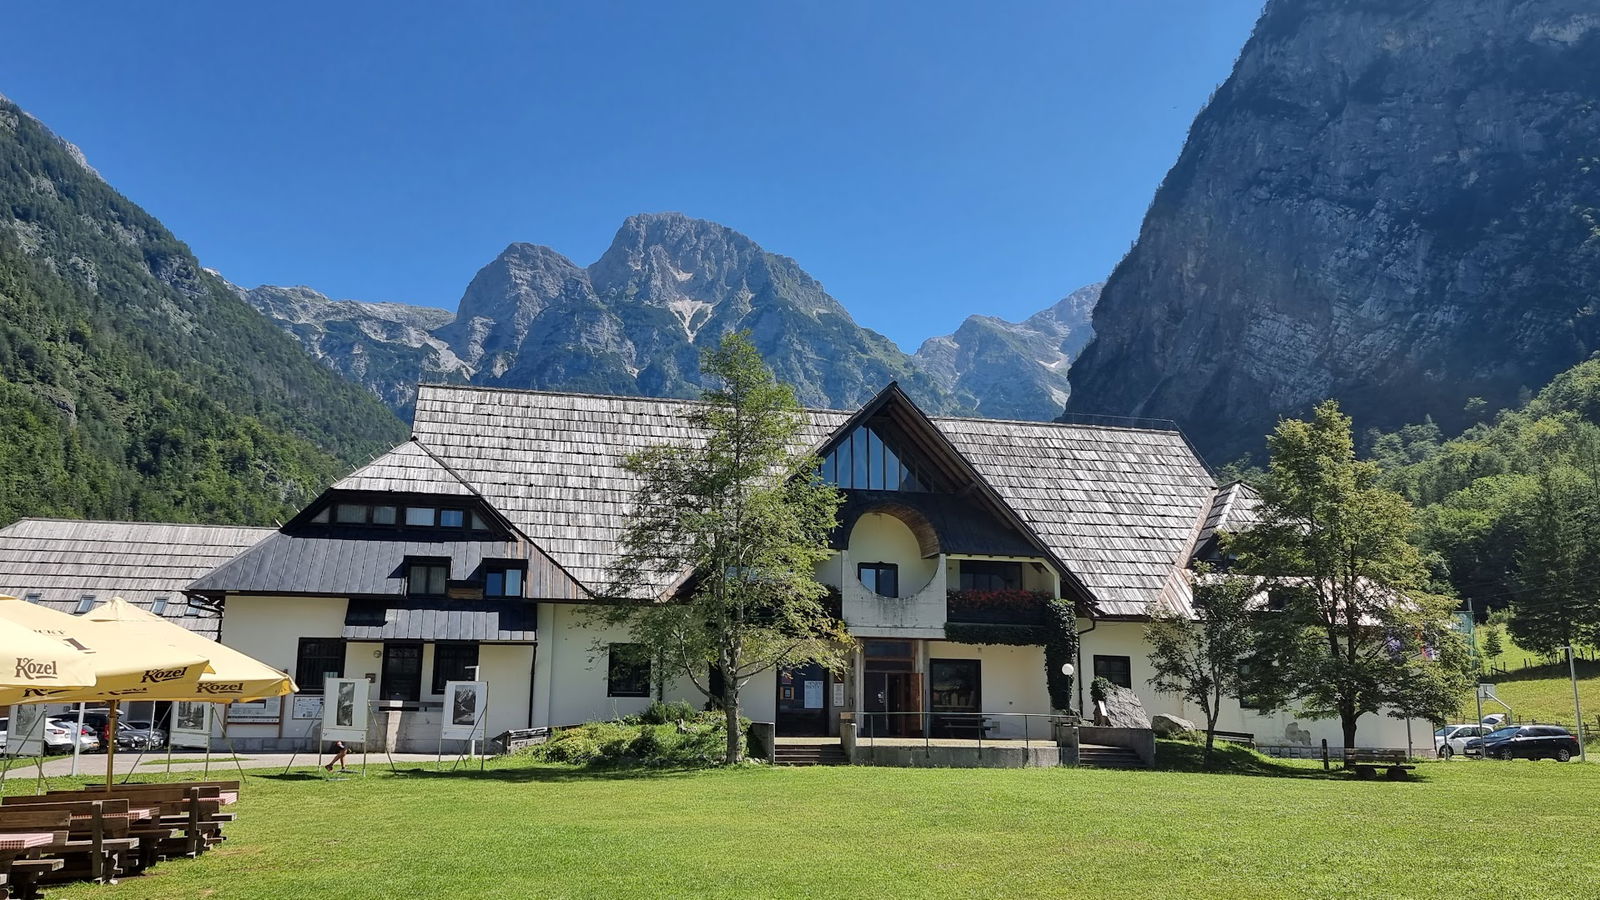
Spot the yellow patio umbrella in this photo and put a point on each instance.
(233, 676)
(31, 660)
(125, 665)
(128, 664)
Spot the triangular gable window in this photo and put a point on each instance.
(864, 461)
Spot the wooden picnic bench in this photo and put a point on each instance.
(109, 837)
(25, 834)
(971, 726)
(1366, 763)
(193, 809)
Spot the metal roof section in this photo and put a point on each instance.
(58, 562)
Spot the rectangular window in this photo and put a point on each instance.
(627, 671)
(159, 606)
(383, 515)
(889, 656)
(85, 603)
(427, 579)
(955, 685)
(452, 518)
(990, 576)
(402, 672)
(420, 515)
(350, 513)
(502, 582)
(881, 578)
(1116, 669)
(453, 662)
(318, 660)
(34, 597)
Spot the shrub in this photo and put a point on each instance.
(1099, 690)
(660, 713)
(699, 741)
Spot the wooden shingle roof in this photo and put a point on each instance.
(1120, 507)
(62, 561)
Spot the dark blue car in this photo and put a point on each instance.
(1525, 742)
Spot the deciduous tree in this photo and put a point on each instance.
(1350, 629)
(1199, 657)
(738, 518)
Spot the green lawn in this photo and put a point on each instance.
(522, 830)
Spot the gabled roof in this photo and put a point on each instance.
(62, 560)
(409, 468)
(1119, 507)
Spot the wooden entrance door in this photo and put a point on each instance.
(892, 692)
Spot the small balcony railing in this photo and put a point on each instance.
(1003, 607)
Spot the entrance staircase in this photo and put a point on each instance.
(1102, 757)
(809, 754)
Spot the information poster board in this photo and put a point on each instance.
(307, 706)
(25, 730)
(191, 724)
(265, 711)
(465, 703)
(344, 710)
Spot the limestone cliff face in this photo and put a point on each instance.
(1391, 202)
(1009, 370)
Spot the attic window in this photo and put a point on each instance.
(451, 518)
(321, 515)
(159, 606)
(85, 603)
(427, 578)
(863, 461)
(420, 515)
(34, 597)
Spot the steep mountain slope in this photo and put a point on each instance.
(134, 384)
(384, 347)
(1011, 370)
(634, 323)
(1392, 203)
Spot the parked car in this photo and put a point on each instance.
(1525, 742)
(58, 736)
(140, 735)
(136, 735)
(1452, 739)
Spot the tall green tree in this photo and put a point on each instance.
(744, 517)
(1200, 657)
(1351, 628)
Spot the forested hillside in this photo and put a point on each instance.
(133, 384)
(1512, 507)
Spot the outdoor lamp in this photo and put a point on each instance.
(1067, 669)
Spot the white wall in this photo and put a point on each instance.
(270, 629)
(570, 685)
(1012, 681)
(919, 611)
(1127, 639)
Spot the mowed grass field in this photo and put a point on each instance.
(522, 830)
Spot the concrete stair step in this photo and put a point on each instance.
(1109, 758)
(810, 755)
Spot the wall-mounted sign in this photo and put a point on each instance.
(266, 711)
(813, 695)
(838, 695)
(307, 706)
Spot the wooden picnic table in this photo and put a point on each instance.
(26, 840)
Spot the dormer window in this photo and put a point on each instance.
(85, 603)
(502, 581)
(427, 578)
(423, 516)
(451, 518)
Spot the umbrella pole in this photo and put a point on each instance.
(111, 745)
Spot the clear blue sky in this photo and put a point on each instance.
(924, 160)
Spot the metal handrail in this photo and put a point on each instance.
(861, 717)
